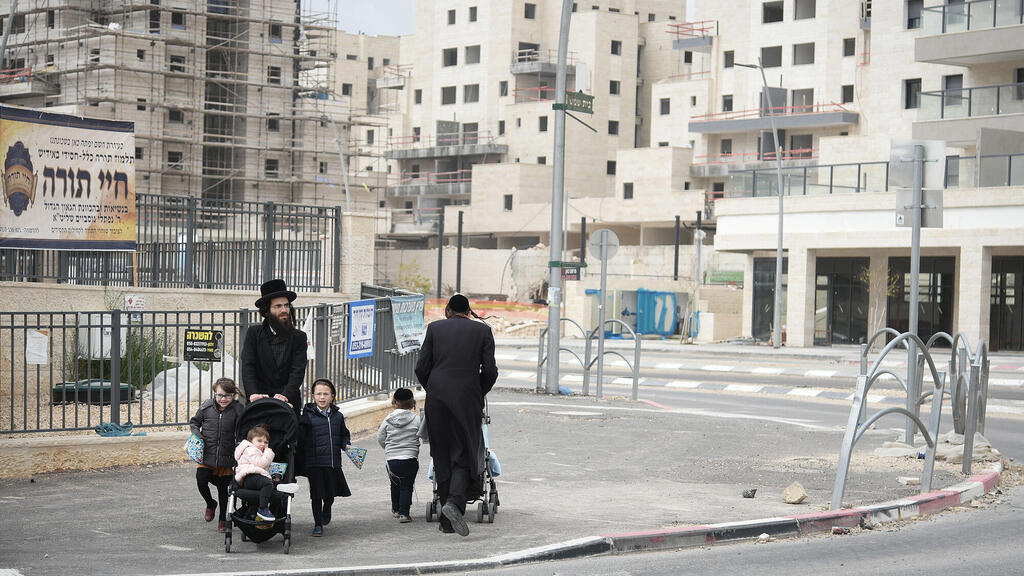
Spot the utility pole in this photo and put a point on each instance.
(913, 380)
(558, 181)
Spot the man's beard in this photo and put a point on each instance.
(283, 327)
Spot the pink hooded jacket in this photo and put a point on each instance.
(252, 461)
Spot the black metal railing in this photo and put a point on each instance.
(970, 102)
(976, 15)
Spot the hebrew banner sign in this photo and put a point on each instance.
(68, 182)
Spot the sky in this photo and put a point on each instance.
(375, 17)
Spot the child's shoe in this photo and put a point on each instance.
(221, 525)
(394, 514)
(291, 488)
(265, 514)
(404, 519)
(318, 530)
(209, 514)
(327, 516)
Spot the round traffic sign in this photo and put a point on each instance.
(606, 236)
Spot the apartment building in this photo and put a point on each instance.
(846, 80)
(230, 98)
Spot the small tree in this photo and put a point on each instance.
(889, 283)
(409, 278)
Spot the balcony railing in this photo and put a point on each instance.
(701, 28)
(453, 139)
(969, 102)
(425, 178)
(534, 94)
(977, 15)
(776, 110)
(546, 56)
(744, 157)
(961, 171)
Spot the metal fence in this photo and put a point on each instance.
(186, 242)
(58, 367)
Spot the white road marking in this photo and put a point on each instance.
(875, 397)
(668, 366)
(573, 377)
(519, 375)
(174, 548)
(820, 373)
(766, 370)
(618, 363)
(1005, 382)
(499, 356)
(717, 368)
(810, 392)
(627, 381)
(575, 413)
(743, 388)
(682, 384)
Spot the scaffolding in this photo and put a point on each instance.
(231, 99)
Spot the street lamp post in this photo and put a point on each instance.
(777, 315)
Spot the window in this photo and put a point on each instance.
(725, 147)
(273, 123)
(911, 93)
(613, 87)
(847, 93)
(610, 168)
(416, 138)
(800, 145)
(771, 12)
(771, 56)
(542, 159)
(730, 58)
(94, 56)
(175, 116)
(508, 202)
(141, 104)
(322, 167)
(503, 88)
(370, 136)
(687, 57)
(613, 127)
(473, 54)
(18, 24)
(542, 123)
(417, 96)
(693, 100)
(51, 19)
(174, 159)
(726, 102)
(346, 89)
(849, 46)
(501, 127)
(650, 17)
(351, 57)
(49, 60)
(627, 190)
(662, 144)
(472, 13)
(804, 9)
(178, 19)
(270, 167)
(386, 62)
(275, 33)
(449, 57)
(803, 100)
(720, 187)
(451, 17)
(803, 53)
(665, 106)
(529, 11)
(274, 75)
(686, 185)
(617, 47)
(914, 8)
(953, 86)
(140, 54)
(1018, 92)
(154, 21)
(448, 95)
(177, 63)
(138, 153)
(471, 93)
(519, 122)
(369, 63)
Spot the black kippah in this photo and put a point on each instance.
(458, 304)
(403, 394)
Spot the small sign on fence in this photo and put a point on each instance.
(203, 345)
(361, 325)
(336, 325)
(135, 302)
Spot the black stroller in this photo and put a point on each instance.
(279, 419)
(483, 491)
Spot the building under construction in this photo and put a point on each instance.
(231, 99)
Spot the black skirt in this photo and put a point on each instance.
(326, 483)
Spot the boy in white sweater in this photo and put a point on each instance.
(399, 436)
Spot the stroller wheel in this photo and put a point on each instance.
(287, 544)
(227, 544)
(244, 537)
(481, 511)
(491, 511)
(429, 516)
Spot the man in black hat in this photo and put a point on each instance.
(274, 353)
(456, 367)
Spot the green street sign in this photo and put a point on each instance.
(577, 102)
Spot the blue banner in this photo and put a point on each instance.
(407, 314)
(361, 323)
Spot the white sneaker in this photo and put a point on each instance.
(288, 488)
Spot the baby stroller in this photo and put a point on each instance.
(280, 421)
(483, 492)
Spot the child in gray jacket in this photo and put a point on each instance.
(399, 436)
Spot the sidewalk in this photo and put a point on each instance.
(579, 476)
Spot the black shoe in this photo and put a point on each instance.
(454, 515)
(327, 517)
(318, 531)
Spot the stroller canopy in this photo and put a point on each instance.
(277, 417)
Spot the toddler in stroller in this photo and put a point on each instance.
(256, 523)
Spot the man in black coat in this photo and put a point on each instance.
(456, 368)
(274, 353)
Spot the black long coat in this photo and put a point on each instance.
(260, 372)
(456, 368)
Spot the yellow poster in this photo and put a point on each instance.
(68, 182)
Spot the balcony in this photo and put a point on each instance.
(718, 165)
(455, 183)
(443, 145)
(970, 33)
(415, 222)
(21, 82)
(786, 117)
(956, 115)
(693, 36)
(392, 77)
(536, 62)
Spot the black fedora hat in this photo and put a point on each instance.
(273, 289)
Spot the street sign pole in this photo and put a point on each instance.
(555, 237)
(913, 382)
(601, 312)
